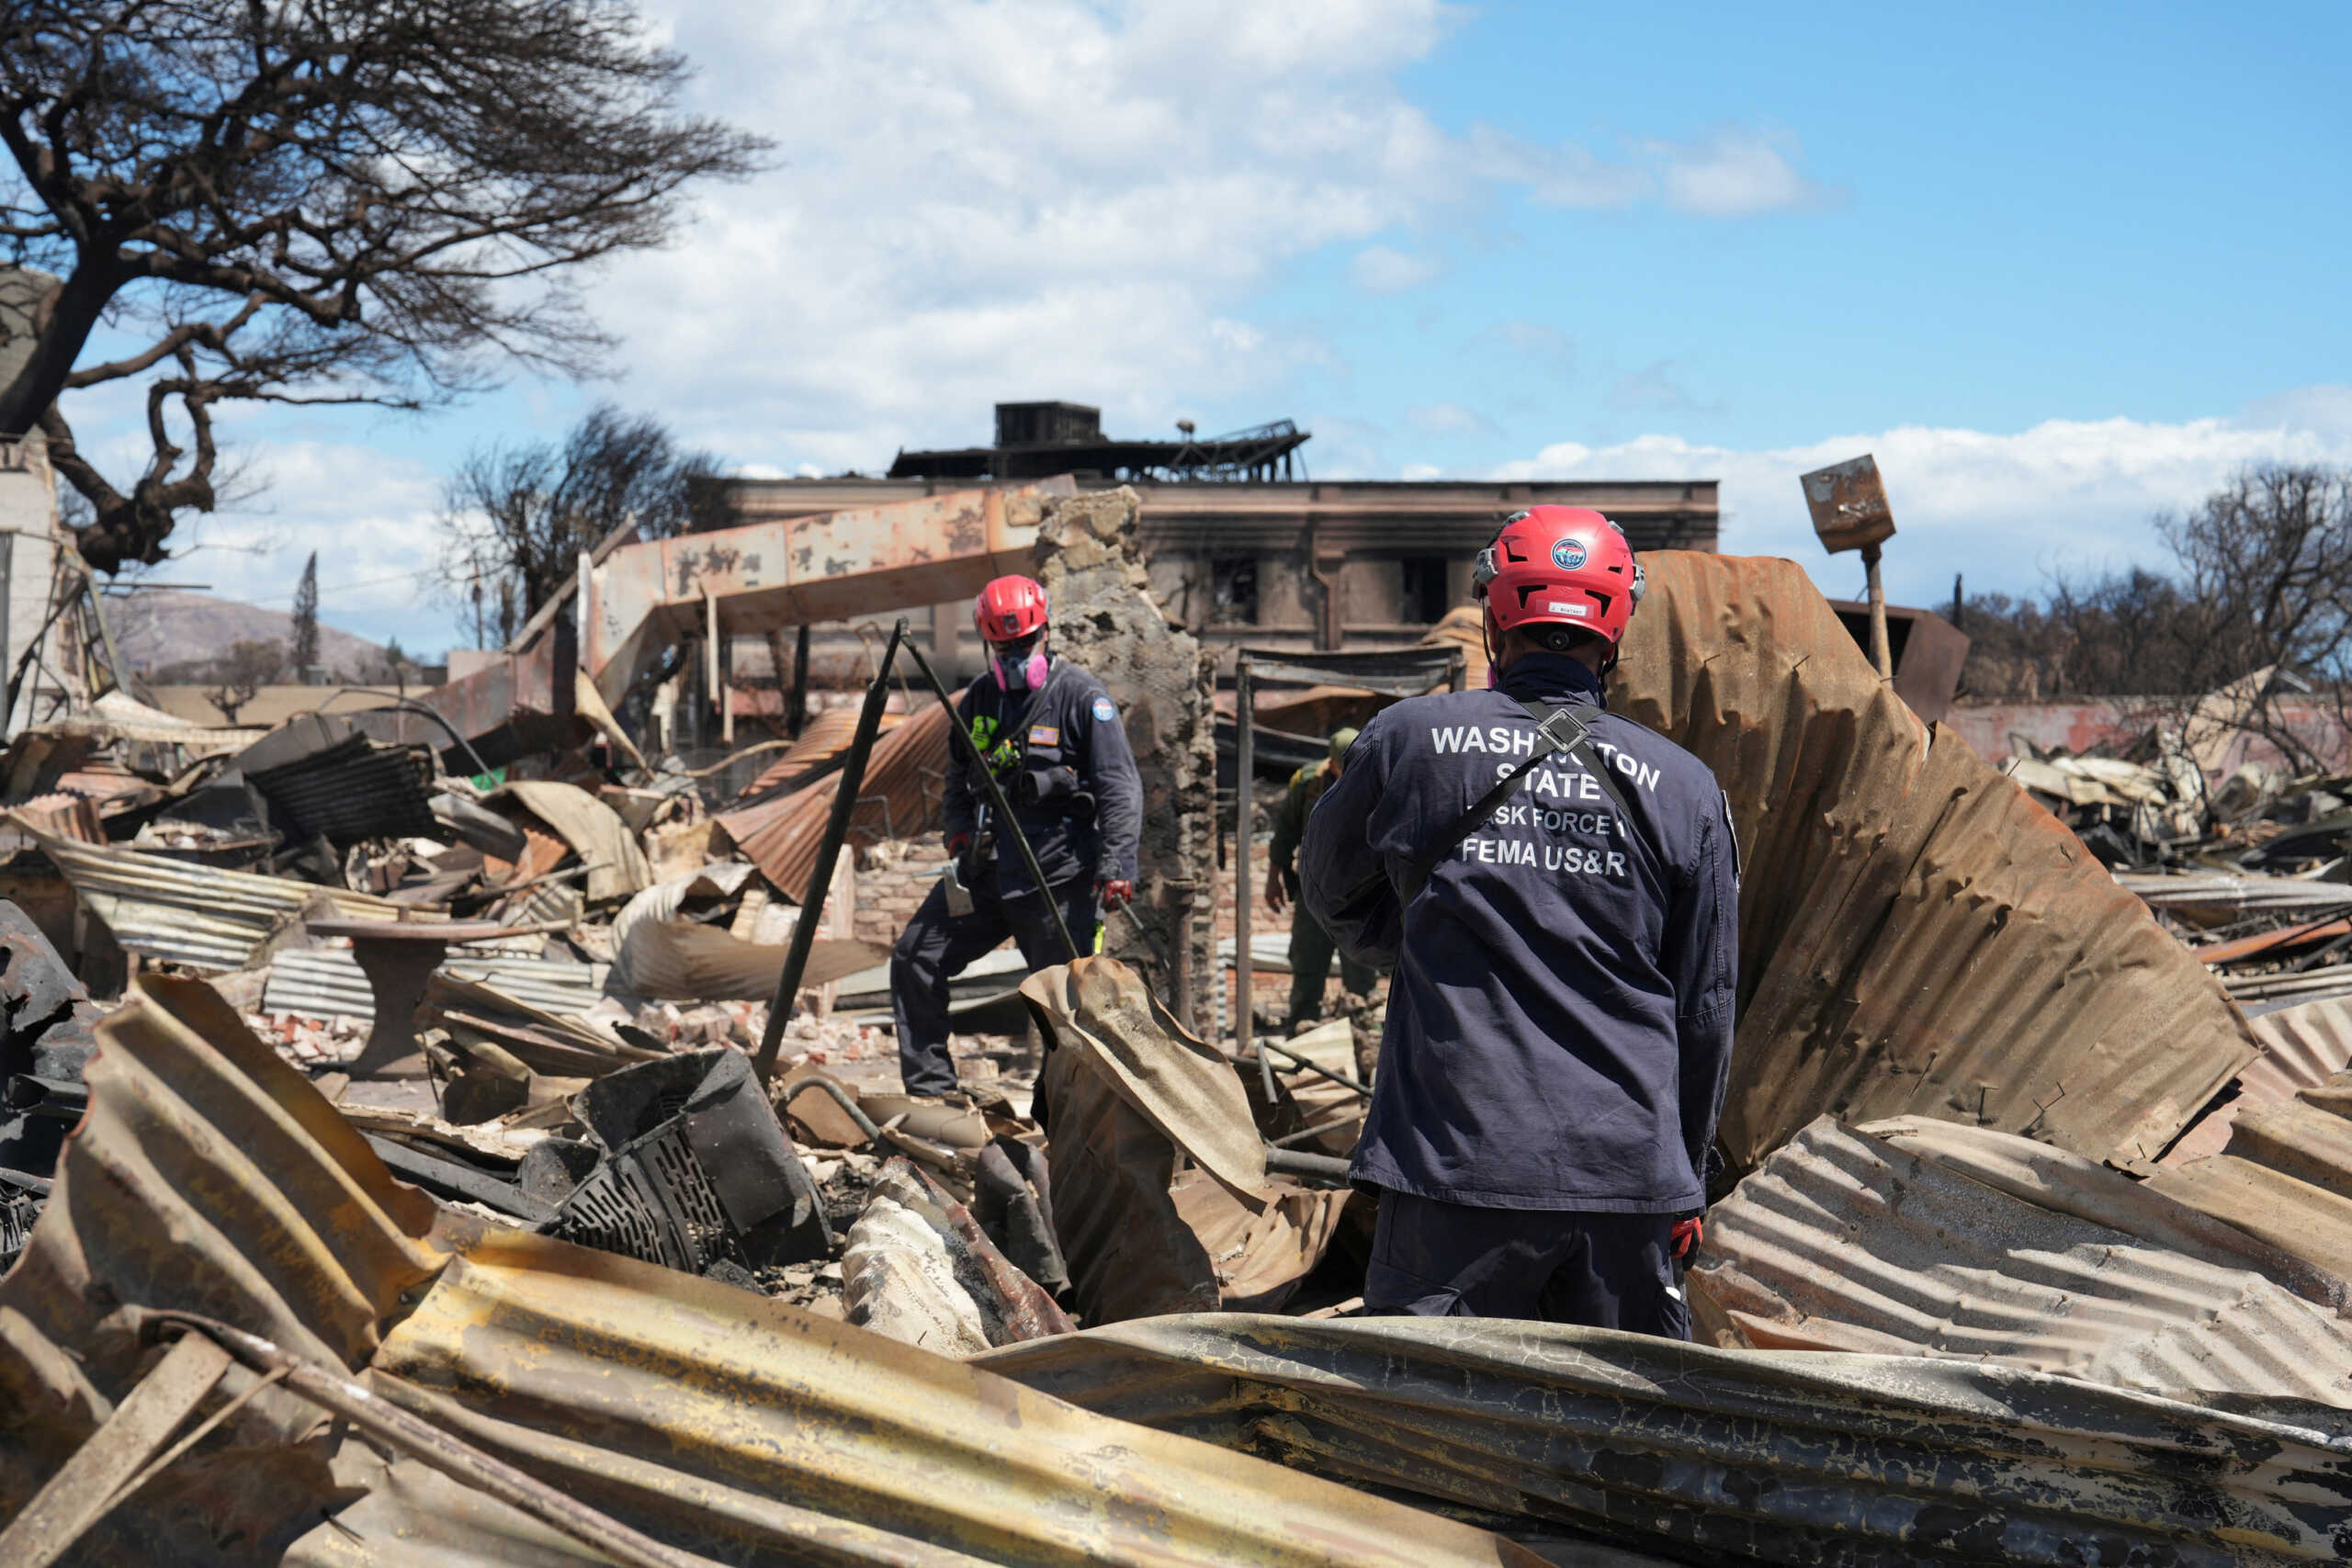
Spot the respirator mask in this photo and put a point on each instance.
(1018, 665)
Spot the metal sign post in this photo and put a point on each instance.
(1849, 512)
(1244, 812)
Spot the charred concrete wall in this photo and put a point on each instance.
(1107, 619)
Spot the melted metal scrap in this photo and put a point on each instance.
(1730, 1455)
(212, 1178)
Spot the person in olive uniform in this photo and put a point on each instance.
(1311, 947)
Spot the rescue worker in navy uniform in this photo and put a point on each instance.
(1053, 738)
(1560, 1011)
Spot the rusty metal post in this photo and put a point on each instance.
(829, 851)
(799, 702)
(1244, 890)
(1879, 655)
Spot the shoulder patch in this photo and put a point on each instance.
(1105, 709)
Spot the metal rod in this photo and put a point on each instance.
(1244, 890)
(1341, 1078)
(847, 1102)
(1880, 659)
(829, 854)
(1291, 1162)
(1306, 1134)
(997, 802)
(438, 1450)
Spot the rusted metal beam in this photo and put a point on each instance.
(794, 572)
(87, 1487)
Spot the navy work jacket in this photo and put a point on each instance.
(1082, 802)
(1560, 1015)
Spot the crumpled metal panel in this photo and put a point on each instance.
(1917, 936)
(894, 798)
(1773, 1456)
(1867, 1239)
(210, 1177)
(2302, 1047)
(826, 736)
(207, 1175)
(207, 919)
(326, 982)
(690, 1409)
(2212, 898)
(2285, 1176)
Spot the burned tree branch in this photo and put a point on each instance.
(388, 192)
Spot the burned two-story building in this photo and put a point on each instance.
(1244, 547)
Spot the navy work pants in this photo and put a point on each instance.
(937, 946)
(1437, 1259)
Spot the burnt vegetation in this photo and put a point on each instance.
(2261, 581)
(324, 201)
(516, 518)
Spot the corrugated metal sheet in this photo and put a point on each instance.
(894, 799)
(1849, 1240)
(824, 737)
(64, 815)
(210, 1177)
(1917, 935)
(2302, 1047)
(2285, 1176)
(1730, 1455)
(2209, 900)
(352, 790)
(326, 982)
(199, 916)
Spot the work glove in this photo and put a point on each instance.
(957, 843)
(1687, 1235)
(1114, 893)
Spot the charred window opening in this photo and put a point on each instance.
(1233, 590)
(1427, 595)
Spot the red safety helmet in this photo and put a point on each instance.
(1010, 609)
(1559, 566)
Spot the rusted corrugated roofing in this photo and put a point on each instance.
(2285, 1176)
(2302, 1047)
(206, 918)
(822, 739)
(1917, 936)
(894, 799)
(1730, 1455)
(210, 1177)
(1871, 1239)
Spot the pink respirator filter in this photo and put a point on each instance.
(1032, 669)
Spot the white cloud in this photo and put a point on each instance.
(1044, 198)
(1378, 269)
(1732, 174)
(2005, 510)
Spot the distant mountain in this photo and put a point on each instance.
(157, 628)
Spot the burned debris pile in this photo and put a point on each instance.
(514, 1165)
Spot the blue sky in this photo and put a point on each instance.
(2059, 268)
